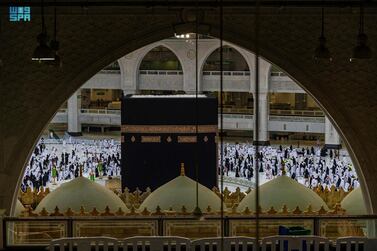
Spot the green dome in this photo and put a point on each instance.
(179, 192)
(283, 191)
(81, 192)
(354, 203)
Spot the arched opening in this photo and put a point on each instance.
(281, 64)
(232, 60)
(160, 72)
(293, 101)
(238, 104)
(237, 79)
(160, 58)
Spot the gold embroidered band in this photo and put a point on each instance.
(187, 139)
(150, 139)
(169, 129)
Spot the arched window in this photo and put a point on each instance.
(160, 58)
(232, 60)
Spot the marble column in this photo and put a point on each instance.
(263, 112)
(73, 110)
(332, 138)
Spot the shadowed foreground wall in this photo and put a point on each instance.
(92, 38)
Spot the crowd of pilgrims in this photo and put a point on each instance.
(55, 163)
(313, 167)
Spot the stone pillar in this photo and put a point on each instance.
(332, 139)
(187, 59)
(73, 110)
(129, 72)
(264, 109)
(263, 112)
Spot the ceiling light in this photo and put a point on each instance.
(361, 50)
(322, 52)
(43, 52)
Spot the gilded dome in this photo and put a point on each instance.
(179, 192)
(283, 191)
(354, 203)
(81, 192)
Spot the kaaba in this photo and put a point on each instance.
(161, 132)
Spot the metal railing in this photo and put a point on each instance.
(226, 73)
(160, 72)
(308, 113)
(284, 115)
(236, 116)
(67, 140)
(278, 118)
(205, 73)
(101, 111)
(39, 231)
(298, 119)
(278, 74)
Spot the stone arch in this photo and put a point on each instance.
(214, 47)
(163, 46)
(146, 49)
(236, 51)
(246, 55)
(23, 138)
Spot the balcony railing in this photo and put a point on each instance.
(226, 73)
(205, 73)
(101, 111)
(298, 119)
(304, 113)
(309, 113)
(234, 111)
(160, 72)
(278, 74)
(237, 116)
(278, 118)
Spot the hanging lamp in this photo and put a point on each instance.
(322, 52)
(361, 50)
(43, 52)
